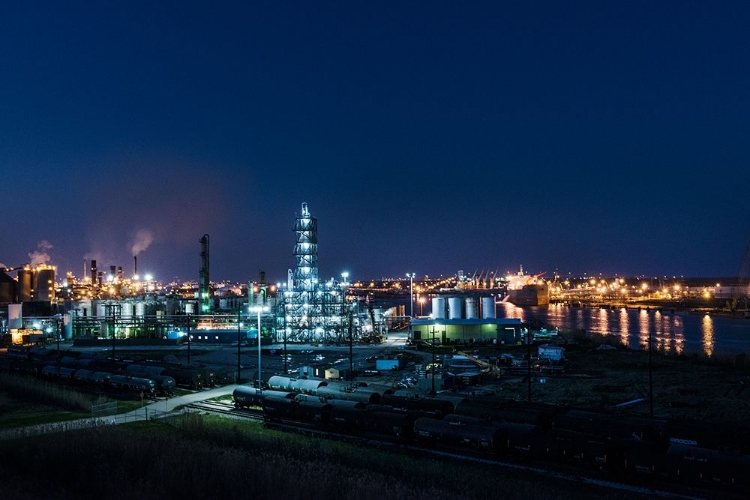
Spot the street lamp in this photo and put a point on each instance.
(258, 310)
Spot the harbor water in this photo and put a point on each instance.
(679, 332)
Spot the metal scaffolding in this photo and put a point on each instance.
(311, 311)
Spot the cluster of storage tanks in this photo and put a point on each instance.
(463, 308)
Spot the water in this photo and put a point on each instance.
(677, 332)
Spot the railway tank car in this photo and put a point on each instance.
(362, 419)
(360, 395)
(145, 386)
(246, 396)
(443, 407)
(298, 409)
(301, 385)
(696, 465)
(61, 373)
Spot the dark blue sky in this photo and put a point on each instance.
(588, 137)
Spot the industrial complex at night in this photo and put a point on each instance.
(109, 304)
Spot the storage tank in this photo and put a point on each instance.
(471, 308)
(44, 286)
(127, 309)
(454, 308)
(438, 308)
(140, 309)
(25, 285)
(488, 307)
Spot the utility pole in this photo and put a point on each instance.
(188, 336)
(351, 350)
(432, 393)
(528, 350)
(239, 376)
(650, 378)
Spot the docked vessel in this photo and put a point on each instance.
(527, 290)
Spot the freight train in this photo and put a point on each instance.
(650, 450)
(104, 373)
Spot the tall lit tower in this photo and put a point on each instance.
(306, 251)
(204, 285)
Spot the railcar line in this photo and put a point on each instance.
(570, 474)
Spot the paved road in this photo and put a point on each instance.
(164, 406)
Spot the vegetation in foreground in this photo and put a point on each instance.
(196, 456)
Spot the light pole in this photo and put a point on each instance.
(188, 337)
(258, 309)
(351, 352)
(650, 378)
(411, 294)
(432, 392)
(239, 341)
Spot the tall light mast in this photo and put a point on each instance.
(204, 284)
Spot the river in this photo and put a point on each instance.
(677, 332)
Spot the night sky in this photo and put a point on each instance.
(584, 137)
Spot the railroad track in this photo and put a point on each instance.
(226, 409)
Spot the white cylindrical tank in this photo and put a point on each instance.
(471, 308)
(101, 311)
(488, 307)
(454, 308)
(140, 309)
(127, 309)
(438, 308)
(189, 308)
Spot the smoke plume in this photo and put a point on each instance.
(143, 238)
(40, 256)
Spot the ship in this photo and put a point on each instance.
(527, 290)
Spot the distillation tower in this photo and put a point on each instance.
(312, 311)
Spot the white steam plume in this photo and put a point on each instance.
(143, 238)
(40, 256)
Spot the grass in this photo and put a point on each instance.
(26, 400)
(196, 456)
(17, 413)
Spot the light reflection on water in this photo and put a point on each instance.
(624, 325)
(676, 332)
(707, 326)
(644, 328)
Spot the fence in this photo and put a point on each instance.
(103, 409)
(88, 423)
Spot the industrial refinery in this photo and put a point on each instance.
(106, 304)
